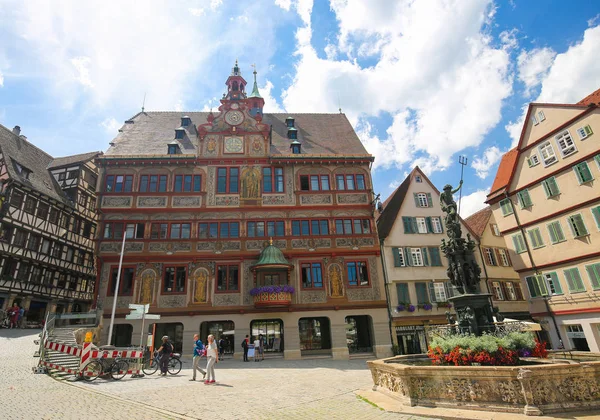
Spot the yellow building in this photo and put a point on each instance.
(497, 273)
(546, 201)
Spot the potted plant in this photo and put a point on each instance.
(411, 308)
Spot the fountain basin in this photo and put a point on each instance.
(541, 386)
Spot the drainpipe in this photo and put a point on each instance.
(535, 270)
(387, 292)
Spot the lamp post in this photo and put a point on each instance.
(114, 308)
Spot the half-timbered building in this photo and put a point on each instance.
(47, 228)
(240, 222)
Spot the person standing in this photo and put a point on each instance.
(245, 347)
(261, 349)
(198, 351)
(256, 350)
(212, 356)
(14, 315)
(21, 320)
(165, 352)
(221, 348)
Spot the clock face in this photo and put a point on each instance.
(234, 117)
(234, 145)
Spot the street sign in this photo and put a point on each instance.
(135, 315)
(139, 308)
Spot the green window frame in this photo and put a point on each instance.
(402, 293)
(524, 198)
(422, 292)
(537, 286)
(593, 271)
(434, 256)
(554, 287)
(577, 226)
(519, 243)
(596, 214)
(506, 206)
(550, 187)
(536, 238)
(556, 233)
(399, 260)
(582, 170)
(410, 224)
(574, 281)
(597, 159)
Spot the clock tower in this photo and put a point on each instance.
(236, 85)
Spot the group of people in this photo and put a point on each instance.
(16, 316)
(259, 348)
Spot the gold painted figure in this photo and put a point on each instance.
(147, 286)
(200, 282)
(335, 277)
(251, 183)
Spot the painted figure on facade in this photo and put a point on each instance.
(251, 183)
(335, 278)
(200, 284)
(147, 286)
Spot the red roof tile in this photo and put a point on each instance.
(505, 169)
(478, 221)
(592, 98)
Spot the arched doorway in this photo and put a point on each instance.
(315, 336)
(220, 330)
(272, 332)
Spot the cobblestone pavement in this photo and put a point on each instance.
(271, 389)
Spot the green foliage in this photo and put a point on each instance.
(485, 342)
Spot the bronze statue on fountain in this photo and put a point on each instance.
(473, 308)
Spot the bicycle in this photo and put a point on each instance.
(174, 366)
(117, 369)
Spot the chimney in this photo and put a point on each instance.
(17, 130)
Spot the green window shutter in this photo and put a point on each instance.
(424, 253)
(407, 257)
(541, 285)
(577, 225)
(524, 199)
(536, 238)
(532, 286)
(429, 225)
(588, 130)
(597, 159)
(583, 173)
(552, 232)
(402, 292)
(596, 214)
(506, 207)
(406, 224)
(413, 224)
(556, 283)
(431, 292)
(574, 281)
(421, 289)
(434, 255)
(397, 261)
(429, 200)
(550, 187)
(594, 275)
(518, 242)
(416, 197)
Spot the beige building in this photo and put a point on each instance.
(546, 202)
(410, 227)
(497, 274)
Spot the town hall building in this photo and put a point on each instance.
(239, 222)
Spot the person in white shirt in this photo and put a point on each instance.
(212, 356)
(256, 348)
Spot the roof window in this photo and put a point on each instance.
(21, 170)
(179, 133)
(185, 121)
(289, 122)
(173, 148)
(292, 133)
(296, 147)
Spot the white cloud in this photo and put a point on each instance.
(82, 67)
(271, 104)
(592, 21)
(436, 70)
(533, 66)
(214, 4)
(198, 11)
(473, 202)
(284, 4)
(111, 125)
(484, 164)
(1, 79)
(509, 38)
(572, 76)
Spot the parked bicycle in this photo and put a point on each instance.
(151, 365)
(117, 368)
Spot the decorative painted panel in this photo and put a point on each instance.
(274, 199)
(152, 202)
(205, 246)
(256, 145)
(211, 145)
(157, 247)
(172, 301)
(313, 297)
(182, 246)
(352, 199)
(316, 199)
(229, 299)
(187, 201)
(229, 200)
(116, 201)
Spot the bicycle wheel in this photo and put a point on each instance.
(150, 366)
(174, 366)
(91, 371)
(119, 369)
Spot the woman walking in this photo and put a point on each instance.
(212, 356)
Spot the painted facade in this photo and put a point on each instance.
(546, 202)
(47, 228)
(201, 196)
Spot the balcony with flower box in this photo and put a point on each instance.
(271, 278)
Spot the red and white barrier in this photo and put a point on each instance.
(63, 348)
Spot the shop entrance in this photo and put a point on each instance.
(121, 336)
(272, 332)
(577, 337)
(37, 311)
(411, 339)
(358, 334)
(175, 332)
(315, 336)
(219, 329)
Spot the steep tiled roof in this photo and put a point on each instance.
(71, 160)
(505, 169)
(148, 133)
(18, 150)
(478, 221)
(592, 98)
(391, 208)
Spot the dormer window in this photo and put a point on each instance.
(292, 133)
(185, 121)
(289, 122)
(179, 133)
(296, 147)
(23, 171)
(172, 148)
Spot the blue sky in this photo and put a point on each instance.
(422, 82)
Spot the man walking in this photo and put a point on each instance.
(198, 350)
(165, 352)
(245, 347)
(221, 348)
